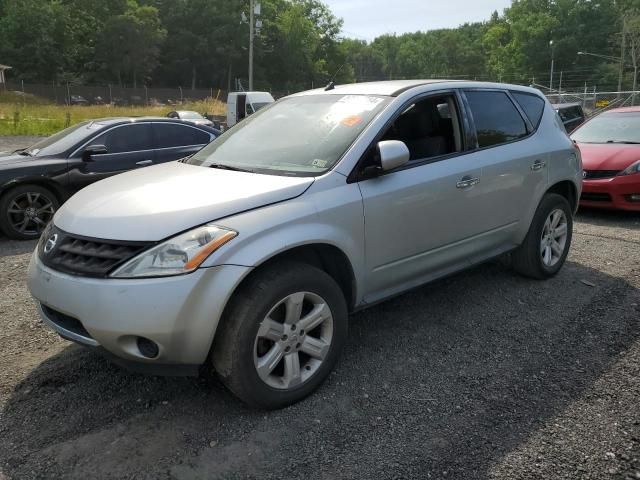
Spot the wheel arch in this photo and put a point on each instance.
(60, 193)
(568, 190)
(326, 257)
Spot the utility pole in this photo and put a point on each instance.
(553, 59)
(251, 34)
(623, 52)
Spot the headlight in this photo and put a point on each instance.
(633, 168)
(177, 256)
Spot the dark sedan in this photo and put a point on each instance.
(35, 181)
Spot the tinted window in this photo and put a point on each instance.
(127, 138)
(174, 135)
(496, 118)
(532, 105)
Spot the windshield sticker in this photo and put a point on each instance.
(364, 103)
(319, 163)
(351, 121)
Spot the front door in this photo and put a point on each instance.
(418, 218)
(128, 147)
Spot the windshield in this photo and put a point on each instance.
(191, 116)
(63, 140)
(304, 136)
(610, 128)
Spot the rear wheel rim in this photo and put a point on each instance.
(30, 212)
(293, 340)
(553, 242)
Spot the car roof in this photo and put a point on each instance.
(118, 120)
(624, 110)
(111, 121)
(393, 88)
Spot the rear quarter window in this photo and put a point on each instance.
(532, 105)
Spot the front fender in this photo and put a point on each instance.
(332, 216)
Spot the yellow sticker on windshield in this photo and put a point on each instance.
(351, 121)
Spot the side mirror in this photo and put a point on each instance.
(393, 154)
(93, 150)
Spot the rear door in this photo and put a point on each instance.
(129, 146)
(176, 140)
(513, 161)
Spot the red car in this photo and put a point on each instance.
(610, 146)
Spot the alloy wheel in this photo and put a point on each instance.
(30, 212)
(293, 340)
(554, 238)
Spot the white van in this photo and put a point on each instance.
(243, 104)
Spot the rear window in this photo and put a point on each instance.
(496, 118)
(171, 135)
(532, 105)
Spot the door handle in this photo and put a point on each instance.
(144, 163)
(538, 165)
(467, 182)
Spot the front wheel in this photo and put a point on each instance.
(281, 335)
(26, 210)
(547, 244)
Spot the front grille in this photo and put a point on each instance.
(84, 256)
(65, 321)
(598, 174)
(595, 197)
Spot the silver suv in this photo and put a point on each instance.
(251, 253)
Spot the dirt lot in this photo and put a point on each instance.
(482, 375)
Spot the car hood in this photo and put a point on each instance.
(9, 158)
(154, 203)
(597, 156)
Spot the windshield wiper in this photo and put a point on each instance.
(23, 151)
(625, 142)
(229, 167)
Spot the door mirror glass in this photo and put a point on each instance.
(393, 154)
(94, 150)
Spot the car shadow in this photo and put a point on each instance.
(607, 218)
(448, 378)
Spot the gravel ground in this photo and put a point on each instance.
(482, 375)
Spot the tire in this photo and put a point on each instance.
(532, 259)
(26, 210)
(244, 341)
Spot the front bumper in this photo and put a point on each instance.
(611, 193)
(179, 314)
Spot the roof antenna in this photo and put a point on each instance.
(332, 84)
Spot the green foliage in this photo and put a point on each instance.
(203, 43)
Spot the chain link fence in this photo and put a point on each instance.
(113, 94)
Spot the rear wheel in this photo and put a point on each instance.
(26, 210)
(281, 335)
(546, 246)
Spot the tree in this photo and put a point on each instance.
(130, 43)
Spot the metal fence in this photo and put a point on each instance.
(112, 94)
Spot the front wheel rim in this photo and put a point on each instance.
(293, 340)
(553, 242)
(30, 212)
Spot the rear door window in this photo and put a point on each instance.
(171, 135)
(496, 118)
(134, 137)
(532, 105)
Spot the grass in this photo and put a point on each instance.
(29, 115)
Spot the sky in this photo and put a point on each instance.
(366, 19)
